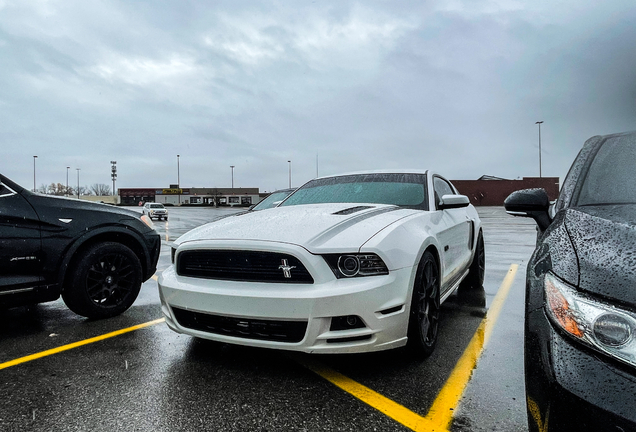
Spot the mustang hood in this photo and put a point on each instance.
(604, 238)
(324, 227)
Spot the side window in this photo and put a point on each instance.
(441, 187)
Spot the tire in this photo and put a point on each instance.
(477, 269)
(104, 282)
(425, 308)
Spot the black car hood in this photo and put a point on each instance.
(604, 238)
(58, 213)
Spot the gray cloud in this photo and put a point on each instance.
(454, 86)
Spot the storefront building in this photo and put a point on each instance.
(244, 197)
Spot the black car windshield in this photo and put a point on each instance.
(612, 174)
(405, 190)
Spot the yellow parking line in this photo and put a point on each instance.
(383, 404)
(440, 414)
(77, 344)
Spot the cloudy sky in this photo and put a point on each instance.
(333, 86)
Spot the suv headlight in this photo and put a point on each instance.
(356, 264)
(599, 325)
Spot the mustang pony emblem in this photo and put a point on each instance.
(286, 268)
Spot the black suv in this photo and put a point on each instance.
(580, 328)
(94, 255)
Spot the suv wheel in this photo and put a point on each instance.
(105, 281)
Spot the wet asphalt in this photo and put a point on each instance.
(153, 379)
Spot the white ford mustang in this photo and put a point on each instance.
(350, 263)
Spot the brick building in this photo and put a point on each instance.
(492, 191)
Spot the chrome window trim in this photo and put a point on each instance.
(7, 187)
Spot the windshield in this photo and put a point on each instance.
(405, 190)
(158, 206)
(612, 174)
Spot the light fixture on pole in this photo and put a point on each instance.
(34, 157)
(178, 180)
(113, 174)
(539, 123)
(232, 166)
(66, 190)
(289, 173)
(78, 188)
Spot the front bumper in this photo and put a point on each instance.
(380, 302)
(572, 388)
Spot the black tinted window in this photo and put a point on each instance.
(612, 174)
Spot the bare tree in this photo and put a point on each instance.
(100, 189)
(56, 189)
(216, 194)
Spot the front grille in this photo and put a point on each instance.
(267, 330)
(248, 266)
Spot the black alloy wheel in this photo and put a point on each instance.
(425, 308)
(477, 270)
(105, 281)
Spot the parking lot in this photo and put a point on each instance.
(62, 372)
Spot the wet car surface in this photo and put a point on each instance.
(94, 256)
(153, 379)
(580, 343)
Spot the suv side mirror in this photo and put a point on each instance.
(532, 203)
(453, 201)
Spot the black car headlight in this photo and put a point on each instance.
(604, 327)
(145, 219)
(356, 264)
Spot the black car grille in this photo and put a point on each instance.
(267, 330)
(249, 266)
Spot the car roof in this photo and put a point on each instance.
(380, 171)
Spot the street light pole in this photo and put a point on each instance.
(78, 189)
(178, 180)
(289, 173)
(66, 190)
(232, 166)
(539, 123)
(34, 157)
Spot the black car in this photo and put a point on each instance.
(95, 256)
(580, 325)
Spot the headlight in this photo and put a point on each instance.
(352, 265)
(145, 219)
(606, 328)
(173, 252)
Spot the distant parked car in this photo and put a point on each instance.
(95, 256)
(155, 211)
(273, 199)
(351, 263)
(580, 327)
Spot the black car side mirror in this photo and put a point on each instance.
(532, 203)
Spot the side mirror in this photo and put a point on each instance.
(533, 203)
(453, 201)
